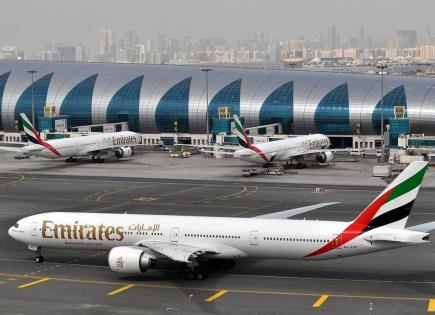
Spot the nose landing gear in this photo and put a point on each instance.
(38, 258)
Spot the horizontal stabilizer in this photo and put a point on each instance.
(292, 212)
(425, 227)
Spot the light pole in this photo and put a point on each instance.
(382, 67)
(32, 72)
(190, 299)
(206, 70)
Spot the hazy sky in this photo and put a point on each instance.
(30, 24)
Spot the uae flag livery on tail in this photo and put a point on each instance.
(33, 135)
(390, 209)
(244, 141)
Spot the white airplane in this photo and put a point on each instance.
(281, 150)
(120, 144)
(137, 242)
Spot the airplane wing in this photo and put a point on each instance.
(292, 212)
(220, 152)
(177, 251)
(316, 151)
(209, 147)
(425, 227)
(11, 149)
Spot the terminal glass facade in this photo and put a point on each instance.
(332, 113)
(124, 105)
(229, 96)
(3, 80)
(78, 102)
(172, 112)
(24, 103)
(278, 108)
(395, 97)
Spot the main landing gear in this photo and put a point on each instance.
(70, 160)
(300, 163)
(97, 159)
(193, 274)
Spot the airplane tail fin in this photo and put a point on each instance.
(31, 133)
(393, 206)
(242, 137)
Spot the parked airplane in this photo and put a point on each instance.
(120, 144)
(136, 242)
(284, 150)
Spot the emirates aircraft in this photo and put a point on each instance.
(118, 144)
(284, 150)
(137, 242)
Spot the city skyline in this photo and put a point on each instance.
(49, 21)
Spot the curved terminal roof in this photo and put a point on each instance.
(159, 98)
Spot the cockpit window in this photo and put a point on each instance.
(16, 225)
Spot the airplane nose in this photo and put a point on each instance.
(9, 231)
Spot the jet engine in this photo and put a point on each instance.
(124, 259)
(324, 157)
(123, 152)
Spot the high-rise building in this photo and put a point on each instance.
(407, 38)
(332, 38)
(107, 49)
(161, 43)
(82, 53)
(67, 53)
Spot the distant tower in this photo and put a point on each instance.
(332, 38)
(106, 44)
(407, 38)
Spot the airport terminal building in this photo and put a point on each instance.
(160, 99)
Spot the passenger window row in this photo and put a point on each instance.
(291, 239)
(212, 236)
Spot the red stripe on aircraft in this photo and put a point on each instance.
(259, 152)
(45, 144)
(356, 227)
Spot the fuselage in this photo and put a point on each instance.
(282, 150)
(81, 146)
(229, 237)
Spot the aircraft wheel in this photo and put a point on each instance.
(39, 259)
(201, 275)
(191, 275)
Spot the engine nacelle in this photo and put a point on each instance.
(123, 152)
(124, 259)
(325, 157)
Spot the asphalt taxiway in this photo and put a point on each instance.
(69, 282)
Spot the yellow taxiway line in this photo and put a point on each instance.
(322, 299)
(29, 284)
(431, 306)
(216, 296)
(121, 289)
(40, 279)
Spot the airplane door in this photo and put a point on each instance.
(174, 235)
(34, 228)
(254, 237)
(337, 241)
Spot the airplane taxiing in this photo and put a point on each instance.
(120, 144)
(284, 150)
(137, 242)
